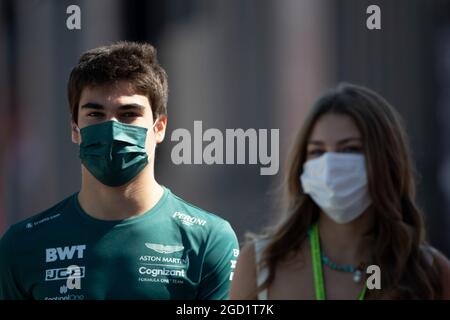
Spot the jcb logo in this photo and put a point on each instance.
(64, 253)
(72, 272)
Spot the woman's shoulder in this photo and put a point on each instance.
(433, 255)
(442, 263)
(259, 244)
(244, 281)
(444, 266)
(255, 243)
(250, 253)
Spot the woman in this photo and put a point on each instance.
(350, 199)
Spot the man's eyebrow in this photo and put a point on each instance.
(130, 106)
(97, 106)
(92, 105)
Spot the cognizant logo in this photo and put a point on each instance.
(154, 272)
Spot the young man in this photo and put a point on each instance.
(123, 236)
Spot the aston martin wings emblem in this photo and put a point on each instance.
(161, 248)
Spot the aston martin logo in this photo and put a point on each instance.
(161, 248)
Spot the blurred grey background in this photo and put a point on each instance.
(232, 64)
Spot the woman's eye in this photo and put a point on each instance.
(351, 149)
(315, 152)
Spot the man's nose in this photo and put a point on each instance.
(111, 118)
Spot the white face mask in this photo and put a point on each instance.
(337, 182)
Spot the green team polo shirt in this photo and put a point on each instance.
(173, 251)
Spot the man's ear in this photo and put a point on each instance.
(160, 128)
(75, 131)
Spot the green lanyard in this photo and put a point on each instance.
(317, 266)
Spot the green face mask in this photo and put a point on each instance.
(113, 152)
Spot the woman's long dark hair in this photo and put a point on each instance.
(398, 233)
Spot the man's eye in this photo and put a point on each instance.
(95, 114)
(130, 115)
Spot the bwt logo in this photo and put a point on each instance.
(64, 253)
(233, 262)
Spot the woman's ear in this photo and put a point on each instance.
(75, 131)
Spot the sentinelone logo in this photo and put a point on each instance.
(30, 225)
(221, 150)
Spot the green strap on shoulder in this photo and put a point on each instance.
(319, 284)
(362, 294)
(317, 263)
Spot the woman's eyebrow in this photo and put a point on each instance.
(316, 142)
(341, 141)
(349, 139)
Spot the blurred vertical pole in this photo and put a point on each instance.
(9, 111)
(144, 20)
(31, 169)
(4, 106)
(442, 70)
(304, 59)
(12, 132)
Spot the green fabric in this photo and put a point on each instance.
(174, 251)
(113, 152)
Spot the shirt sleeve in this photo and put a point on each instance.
(219, 263)
(9, 287)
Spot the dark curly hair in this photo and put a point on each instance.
(129, 61)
